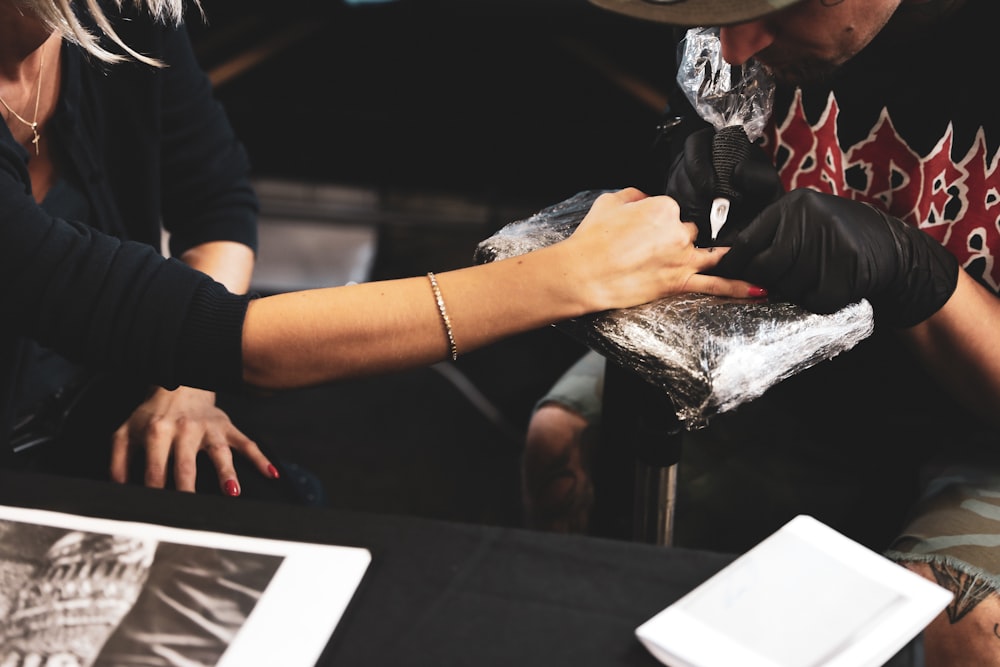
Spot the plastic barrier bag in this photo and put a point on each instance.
(710, 354)
(736, 99)
(724, 95)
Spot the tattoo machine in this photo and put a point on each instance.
(736, 99)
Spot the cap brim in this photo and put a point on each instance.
(695, 12)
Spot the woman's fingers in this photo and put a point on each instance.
(706, 258)
(739, 289)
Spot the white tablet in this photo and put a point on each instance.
(807, 596)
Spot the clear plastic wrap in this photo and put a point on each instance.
(722, 94)
(709, 354)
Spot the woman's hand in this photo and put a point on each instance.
(632, 249)
(173, 426)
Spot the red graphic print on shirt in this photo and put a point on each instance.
(955, 199)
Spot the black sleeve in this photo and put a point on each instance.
(207, 194)
(106, 302)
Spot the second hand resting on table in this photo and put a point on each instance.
(180, 423)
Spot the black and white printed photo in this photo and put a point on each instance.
(70, 598)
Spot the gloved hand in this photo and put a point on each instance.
(692, 182)
(824, 252)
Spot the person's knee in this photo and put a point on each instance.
(557, 489)
(553, 448)
(554, 431)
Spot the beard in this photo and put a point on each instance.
(797, 71)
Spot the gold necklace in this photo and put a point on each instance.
(38, 96)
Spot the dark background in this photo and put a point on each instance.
(504, 106)
(523, 100)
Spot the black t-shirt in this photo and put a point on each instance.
(908, 125)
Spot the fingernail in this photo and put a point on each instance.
(757, 291)
(272, 471)
(232, 488)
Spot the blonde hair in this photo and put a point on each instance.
(59, 16)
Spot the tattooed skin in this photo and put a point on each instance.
(969, 590)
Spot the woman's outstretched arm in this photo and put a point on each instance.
(629, 249)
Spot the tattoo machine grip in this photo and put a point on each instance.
(730, 146)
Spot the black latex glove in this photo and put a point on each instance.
(692, 182)
(825, 252)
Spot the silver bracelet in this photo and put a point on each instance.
(444, 316)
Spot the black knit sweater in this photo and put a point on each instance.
(146, 146)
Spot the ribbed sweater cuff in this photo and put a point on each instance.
(210, 349)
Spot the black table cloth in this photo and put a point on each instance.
(437, 593)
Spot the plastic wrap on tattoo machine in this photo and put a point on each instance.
(709, 354)
(724, 95)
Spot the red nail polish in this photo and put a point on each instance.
(757, 291)
(272, 471)
(232, 488)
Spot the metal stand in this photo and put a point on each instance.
(655, 500)
(639, 455)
